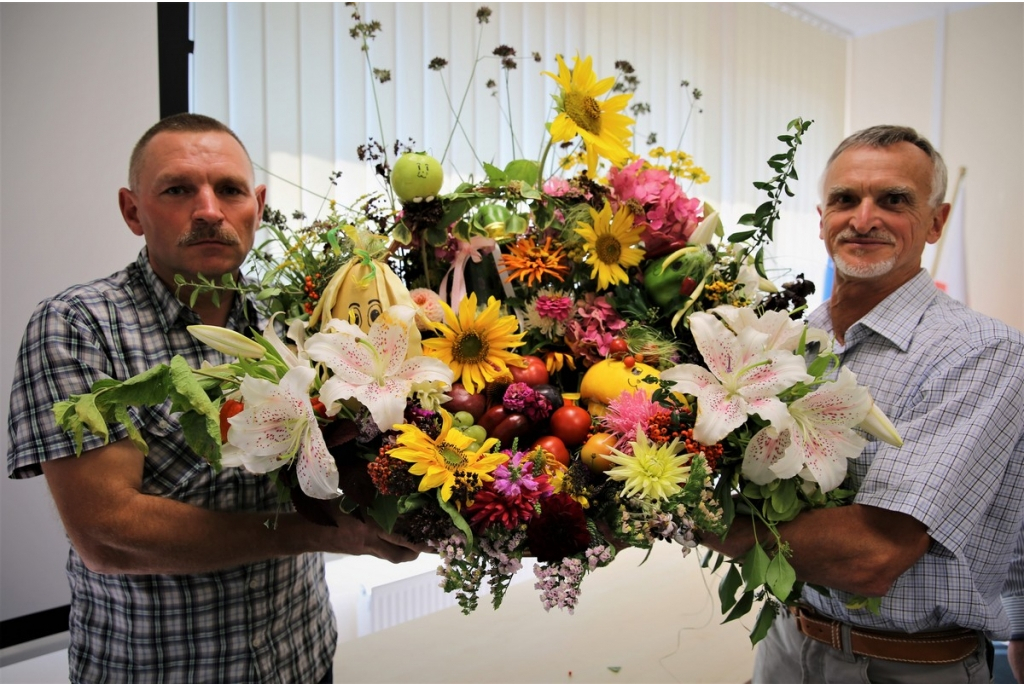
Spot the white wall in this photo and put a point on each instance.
(79, 86)
(960, 81)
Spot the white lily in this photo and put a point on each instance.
(742, 378)
(783, 333)
(374, 368)
(820, 437)
(227, 341)
(278, 425)
(879, 425)
(707, 228)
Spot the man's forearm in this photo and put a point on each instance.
(855, 548)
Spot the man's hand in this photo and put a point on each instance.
(353, 536)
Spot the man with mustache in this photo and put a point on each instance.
(178, 573)
(935, 530)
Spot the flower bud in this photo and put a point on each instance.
(228, 341)
(878, 424)
(707, 228)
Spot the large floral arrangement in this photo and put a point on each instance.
(539, 363)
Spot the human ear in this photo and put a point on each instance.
(129, 210)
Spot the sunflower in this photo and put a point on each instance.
(530, 263)
(653, 471)
(476, 347)
(611, 245)
(604, 129)
(447, 459)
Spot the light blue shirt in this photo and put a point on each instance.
(952, 382)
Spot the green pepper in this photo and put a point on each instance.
(670, 285)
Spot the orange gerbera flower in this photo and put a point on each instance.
(530, 262)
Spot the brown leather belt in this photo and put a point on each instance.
(942, 647)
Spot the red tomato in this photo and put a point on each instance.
(618, 346)
(554, 447)
(227, 410)
(535, 373)
(571, 424)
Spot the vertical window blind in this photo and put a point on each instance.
(298, 89)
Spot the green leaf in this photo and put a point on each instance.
(456, 517)
(91, 417)
(740, 236)
(525, 170)
(122, 417)
(746, 220)
(268, 293)
(755, 565)
(728, 586)
(742, 607)
(764, 621)
(401, 233)
(384, 510)
(784, 497)
(764, 211)
(437, 235)
(780, 577)
(495, 175)
(203, 436)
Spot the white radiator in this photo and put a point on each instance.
(388, 604)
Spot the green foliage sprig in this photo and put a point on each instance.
(763, 218)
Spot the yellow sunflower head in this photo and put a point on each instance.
(600, 123)
(610, 245)
(476, 347)
(530, 262)
(447, 459)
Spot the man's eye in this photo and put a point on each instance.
(896, 199)
(175, 190)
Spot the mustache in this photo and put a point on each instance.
(880, 236)
(203, 232)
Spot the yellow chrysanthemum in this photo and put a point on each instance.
(530, 262)
(653, 471)
(611, 245)
(476, 347)
(444, 460)
(604, 129)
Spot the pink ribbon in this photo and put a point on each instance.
(475, 249)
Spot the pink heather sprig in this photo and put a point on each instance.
(669, 215)
(559, 584)
(598, 556)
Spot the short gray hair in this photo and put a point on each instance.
(887, 136)
(186, 122)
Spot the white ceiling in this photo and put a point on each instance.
(863, 18)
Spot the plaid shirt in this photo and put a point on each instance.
(952, 382)
(264, 622)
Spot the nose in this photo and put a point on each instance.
(207, 206)
(865, 217)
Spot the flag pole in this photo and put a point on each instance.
(942, 238)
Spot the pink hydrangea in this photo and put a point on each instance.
(670, 217)
(592, 329)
